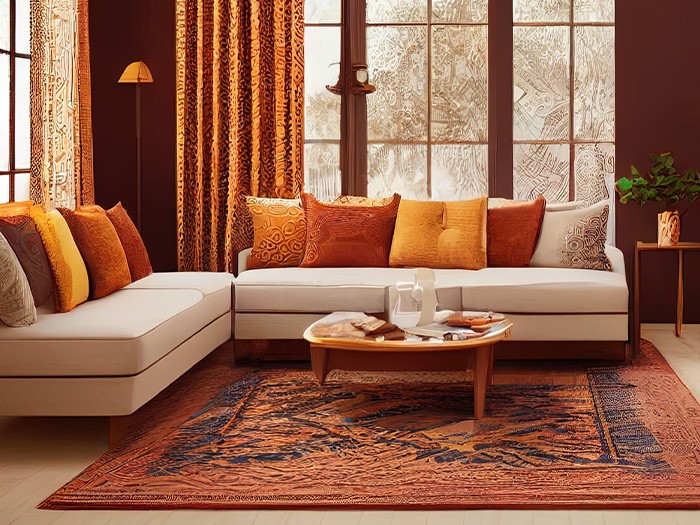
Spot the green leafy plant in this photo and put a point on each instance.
(661, 183)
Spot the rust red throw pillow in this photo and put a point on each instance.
(25, 241)
(102, 252)
(134, 249)
(512, 232)
(344, 235)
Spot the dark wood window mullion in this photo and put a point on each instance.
(353, 112)
(11, 145)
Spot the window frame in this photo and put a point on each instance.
(12, 170)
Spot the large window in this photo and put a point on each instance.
(444, 113)
(14, 100)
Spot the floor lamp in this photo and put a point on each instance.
(137, 73)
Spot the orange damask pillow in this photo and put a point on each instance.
(279, 232)
(348, 235)
(101, 249)
(512, 232)
(134, 249)
(440, 234)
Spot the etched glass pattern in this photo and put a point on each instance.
(22, 126)
(541, 169)
(594, 83)
(322, 108)
(4, 112)
(525, 11)
(22, 26)
(396, 11)
(397, 168)
(459, 83)
(541, 83)
(461, 11)
(21, 187)
(5, 24)
(322, 12)
(594, 175)
(321, 170)
(398, 68)
(594, 11)
(459, 171)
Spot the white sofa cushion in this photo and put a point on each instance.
(119, 335)
(331, 289)
(205, 282)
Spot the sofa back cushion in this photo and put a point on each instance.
(512, 232)
(279, 232)
(132, 243)
(16, 302)
(101, 249)
(346, 235)
(574, 239)
(440, 234)
(22, 235)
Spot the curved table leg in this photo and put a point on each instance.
(319, 363)
(483, 362)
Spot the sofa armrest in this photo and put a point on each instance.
(243, 260)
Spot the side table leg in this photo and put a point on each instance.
(484, 357)
(635, 305)
(679, 304)
(319, 363)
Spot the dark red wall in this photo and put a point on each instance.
(658, 109)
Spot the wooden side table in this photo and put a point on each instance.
(640, 247)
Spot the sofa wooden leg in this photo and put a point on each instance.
(117, 429)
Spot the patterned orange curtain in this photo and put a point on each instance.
(240, 119)
(61, 115)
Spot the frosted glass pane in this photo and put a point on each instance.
(398, 68)
(321, 107)
(460, 83)
(541, 78)
(22, 26)
(464, 11)
(396, 11)
(322, 170)
(541, 169)
(594, 10)
(322, 11)
(4, 188)
(22, 186)
(22, 114)
(397, 168)
(541, 10)
(4, 112)
(459, 171)
(594, 83)
(5, 25)
(594, 172)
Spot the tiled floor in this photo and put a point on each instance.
(38, 455)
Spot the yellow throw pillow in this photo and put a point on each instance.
(440, 234)
(69, 271)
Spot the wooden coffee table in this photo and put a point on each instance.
(369, 354)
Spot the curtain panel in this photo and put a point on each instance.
(239, 119)
(61, 114)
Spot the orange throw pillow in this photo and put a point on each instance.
(512, 231)
(135, 250)
(101, 249)
(348, 235)
(279, 232)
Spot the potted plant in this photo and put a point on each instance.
(662, 183)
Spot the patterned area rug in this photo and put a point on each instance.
(600, 436)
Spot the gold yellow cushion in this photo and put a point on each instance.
(12, 209)
(279, 232)
(440, 234)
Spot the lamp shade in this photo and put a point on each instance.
(136, 73)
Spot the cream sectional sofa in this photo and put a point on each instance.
(110, 356)
(557, 312)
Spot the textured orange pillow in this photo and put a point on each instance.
(99, 245)
(440, 234)
(279, 232)
(134, 249)
(512, 232)
(348, 235)
(11, 209)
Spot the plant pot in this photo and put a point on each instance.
(669, 229)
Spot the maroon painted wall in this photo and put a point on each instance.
(656, 112)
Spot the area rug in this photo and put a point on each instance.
(603, 436)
